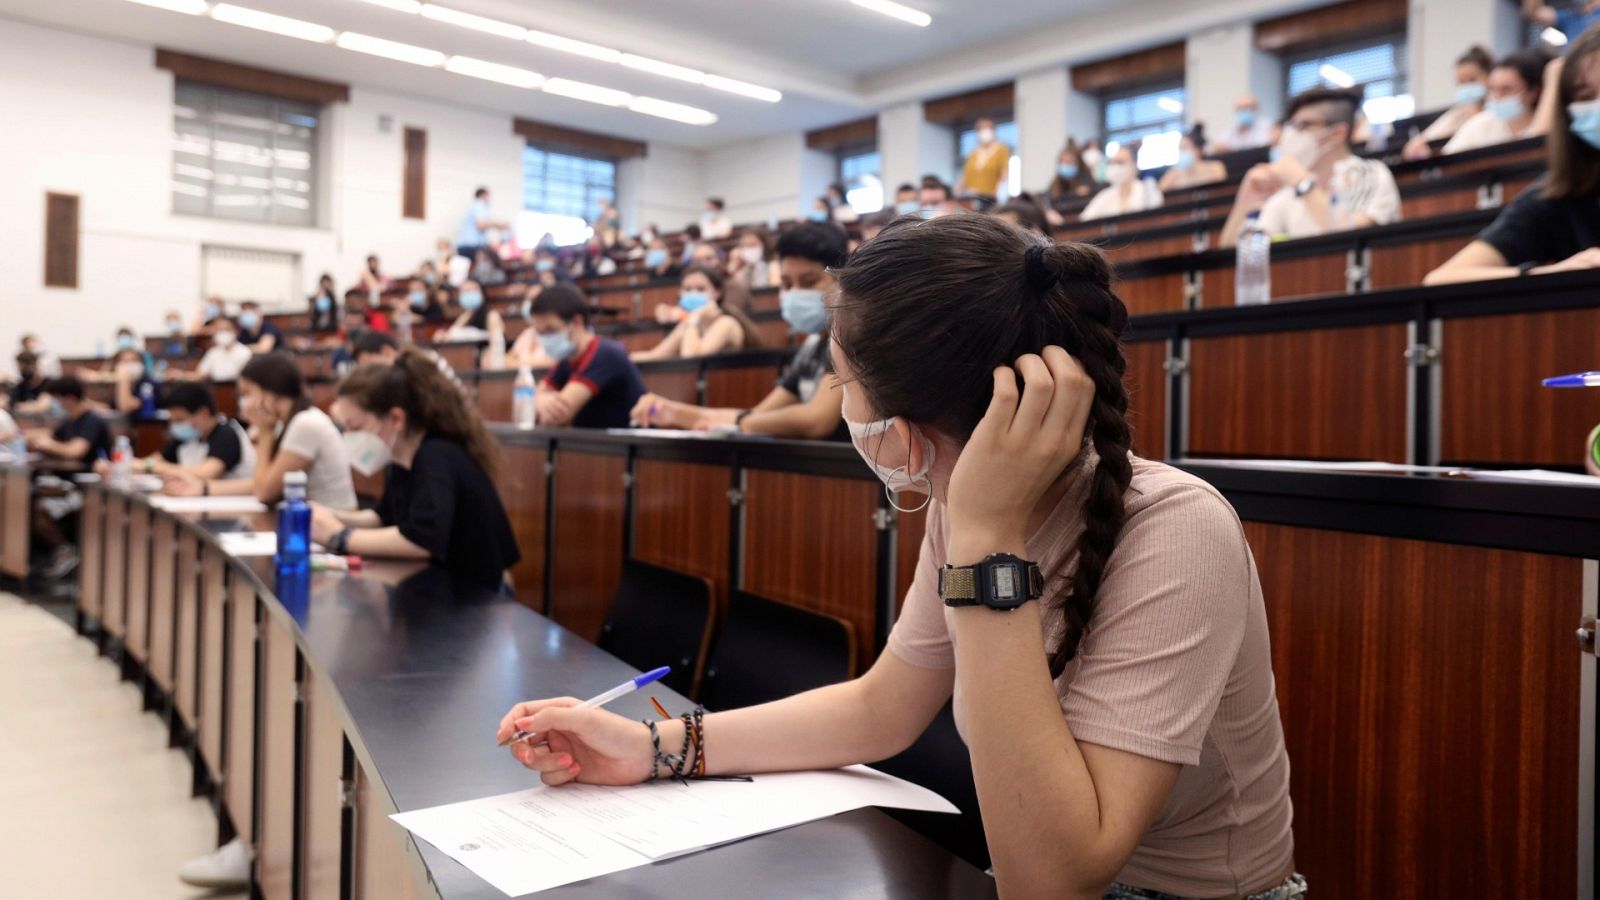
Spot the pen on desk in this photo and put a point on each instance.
(627, 687)
(1579, 379)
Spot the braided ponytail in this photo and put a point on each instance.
(431, 401)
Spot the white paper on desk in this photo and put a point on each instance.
(253, 543)
(208, 504)
(1537, 476)
(544, 837)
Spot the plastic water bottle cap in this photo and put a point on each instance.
(296, 477)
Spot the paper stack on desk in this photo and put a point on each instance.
(545, 837)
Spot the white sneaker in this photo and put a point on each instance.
(229, 867)
(62, 563)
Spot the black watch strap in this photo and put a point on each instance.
(340, 545)
(1528, 267)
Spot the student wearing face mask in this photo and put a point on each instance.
(1125, 192)
(49, 364)
(933, 198)
(803, 405)
(475, 313)
(176, 343)
(132, 381)
(423, 303)
(324, 306)
(1554, 224)
(1250, 127)
(1095, 618)
(1472, 76)
(1192, 168)
(905, 199)
(292, 435)
(1511, 110)
(255, 331)
(223, 361)
(714, 223)
(439, 497)
(1073, 178)
(749, 261)
(708, 327)
(1315, 185)
(986, 166)
(658, 262)
(200, 441)
(594, 384)
(81, 438)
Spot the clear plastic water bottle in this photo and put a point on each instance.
(403, 326)
(121, 462)
(1252, 277)
(294, 526)
(523, 408)
(495, 355)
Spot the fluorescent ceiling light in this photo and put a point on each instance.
(191, 7)
(476, 23)
(362, 43)
(677, 112)
(579, 48)
(742, 88)
(593, 93)
(897, 11)
(405, 6)
(261, 21)
(1554, 37)
(477, 68)
(1335, 75)
(666, 69)
(1170, 105)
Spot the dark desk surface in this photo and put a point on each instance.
(426, 667)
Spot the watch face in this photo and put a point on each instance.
(1005, 584)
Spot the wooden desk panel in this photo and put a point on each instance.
(811, 541)
(739, 388)
(774, 332)
(322, 812)
(1404, 265)
(240, 678)
(163, 601)
(461, 357)
(1216, 288)
(114, 567)
(213, 618)
(522, 490)
(1493, 407)
(1152, 294)
(494, 399)
(678, 384)
(148, 438)
(1429, 205)
(680, 518)
(587, 560)
(137, 639)
(634, 341)
(1146, 382)
(275, 842)
(227, 393)
(1324, 394)
(1124, 249)
(1306, 275)
(16, 512)
(384, 855)
(186, 651)
(91, 550)
(1430, 703)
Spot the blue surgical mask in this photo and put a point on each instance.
(1275, 154)
(471, 300)
(1247, 118)
(905, 207)
(655, 259)
(1185, 159)
(1068, 171)
(175, 329)
(249, 320)
(324, 303)
(212, 311)
(1471, 92)
(818, 215)
(184, 432)
(1585, 117)
(693, 301)
(124, 342)
(1506, 108)
(558, 346)
(803, 310)
(417, 299)
(545, 265)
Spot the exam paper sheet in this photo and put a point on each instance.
(541, 838)
(230, 504)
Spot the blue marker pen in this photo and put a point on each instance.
(1580, 379)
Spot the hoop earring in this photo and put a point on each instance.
(926, 497)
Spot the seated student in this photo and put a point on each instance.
(223, 361)
(751, 262)
(486, 268)
(1192, 168)
(1553, 225)
(707, 327)
(594, 384)
(373, 316)
(439, 501)
(1511, 111)
(1472, 76)
(372, 280)
(934, 197)
(1122, 724)
(126, 342)
(1125, 191)
(211, 309)
(200, 441)
(804, 404)
(658, 262)
(324, 306)
(1250, 129)
(131, 380)
(905, 200)
(428, 272)
(839, 208)
(25, 392)
(820, 211)
(527, 351)
(176, 343)
(475, 314)
(736, 295)
(1073, 179)
(49, 363)
(256, 332)
(291, 436)
(81, 438)
(373, 349)
(691, 240)
(423, 303)
(714, 224)
(1316, 185)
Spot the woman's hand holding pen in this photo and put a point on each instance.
(588, 745)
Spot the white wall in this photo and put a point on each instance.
(759, 179)
(1041, 114)
(910, 147)
(666, 188)
(1441, 30)
(1220, 65)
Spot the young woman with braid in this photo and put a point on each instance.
(1118, 704)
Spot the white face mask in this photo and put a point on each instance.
(1118, 174)
(752, 255)
(1300, 146)
(223, 339)
(894, 478)
(368, 452)
(986, 135)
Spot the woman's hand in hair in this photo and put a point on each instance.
(1024, 442)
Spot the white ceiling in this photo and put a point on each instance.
(820, 53)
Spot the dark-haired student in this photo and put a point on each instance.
(200, 441)
(255, 332)
(709, 326)
(1512, 110)
(77, 441)
(1554, 224)
(1192, 169)
(25, 391)
(131, 380)
(439, 497)
(1024, 213)
(803, 405)
(1472, 77)
(594, 384)
(1103, 637)
(324, 306)
(292, 435)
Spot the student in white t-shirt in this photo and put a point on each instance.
(291, 435)
(1315, 185)
(1126, 191)
(223, 361)
(1512, 110)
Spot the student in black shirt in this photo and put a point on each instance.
(1554, 224)
(439, 497)
(29, 384)
(77, 442)
(324, 306)
(200, 441)
(594, 384)
(256, 332)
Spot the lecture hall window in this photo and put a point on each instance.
(242, 156)
(1153, 116)
(561, 194)
(861, 173)
(1376, 67)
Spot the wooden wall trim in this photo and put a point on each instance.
(847, 134)
(414, 183)
(60, 240)
(560, 137)
(249, 78)
(994, 100)
(1329, 25)
(1131, 70)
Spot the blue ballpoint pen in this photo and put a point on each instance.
(1580, 379)
(627, 687)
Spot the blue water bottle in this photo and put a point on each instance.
(294, 527)
(147, 400)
